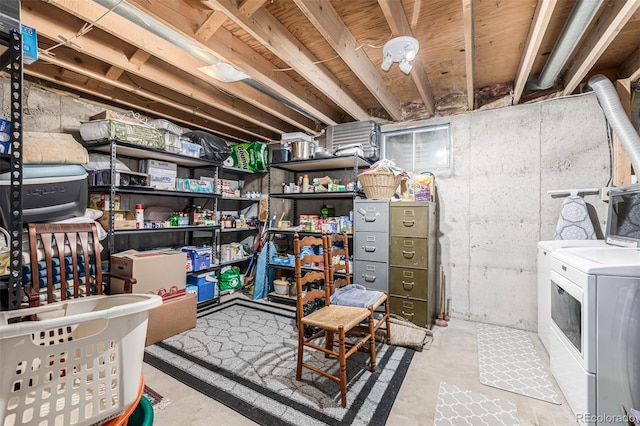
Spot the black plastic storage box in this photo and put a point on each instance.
(50, 192)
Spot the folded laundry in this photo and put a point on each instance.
(355, 295)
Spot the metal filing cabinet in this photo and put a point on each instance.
(412, 261)
(371, 243)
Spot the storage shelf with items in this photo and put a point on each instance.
(301, 206)
(175, 201)
(239, 207)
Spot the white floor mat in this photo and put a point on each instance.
(508, 360)
(457, 407)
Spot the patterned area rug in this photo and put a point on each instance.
(508, 361)
(243, 354)
(157, 401)
(457, 407)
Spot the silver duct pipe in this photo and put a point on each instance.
(581, 15)
(615, 113)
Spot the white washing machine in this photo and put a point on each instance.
(545, 248)
(595, 338)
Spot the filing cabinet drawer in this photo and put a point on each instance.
(371, 215)
(408, 282)
(371, 246)
(410, 219)
(410, 309)
(373, 275)
(408, 252)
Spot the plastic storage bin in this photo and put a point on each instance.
(79, 364)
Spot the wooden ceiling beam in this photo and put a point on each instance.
(139, 57)
(630, 68)
(328, 23)
(537, 30)
(123, 29)
(128, 100)
(249, 7)
(397, 19)
(83, 68)
(469, 50)
(113, 73)
(610, 23)
(234, 111)
(210, 25)
(266, 29)
(234, 51)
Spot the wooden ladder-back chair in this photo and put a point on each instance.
(75, 269)
(328, 319)
(336, 249)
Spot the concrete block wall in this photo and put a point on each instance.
(493, 203)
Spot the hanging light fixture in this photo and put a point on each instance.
(400, 49)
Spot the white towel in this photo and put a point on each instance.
(574, 222)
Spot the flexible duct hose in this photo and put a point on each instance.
(615, 113)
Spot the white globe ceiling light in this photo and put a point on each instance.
(400, 49)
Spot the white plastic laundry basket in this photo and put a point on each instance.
(78, 364)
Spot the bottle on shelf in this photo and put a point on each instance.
(305, 183)
(139, 216)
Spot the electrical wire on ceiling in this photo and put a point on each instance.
(85, 29)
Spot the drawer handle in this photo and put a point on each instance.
(408, 315)
(406, 222)
(408, 254)
(369, 249)
(369, 218)
(408, 285)
(369, 278)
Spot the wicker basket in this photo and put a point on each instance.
(379, 183)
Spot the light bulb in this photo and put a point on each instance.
(409, 54)
(405, 66)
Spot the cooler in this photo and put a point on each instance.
(50, 192)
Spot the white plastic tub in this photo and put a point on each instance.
(79, 364)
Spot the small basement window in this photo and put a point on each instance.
(419, 149)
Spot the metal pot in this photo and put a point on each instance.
(302, 150)
(280, 155)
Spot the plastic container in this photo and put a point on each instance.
(79, 364)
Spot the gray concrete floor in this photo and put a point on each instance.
(453, 358)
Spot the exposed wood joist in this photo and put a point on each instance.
(167, 98)
(630, 68)
(621, 161)
(273, 35)
(210, 25)
(127, 99)
(234, 51)
(231, 111)
(399, 24)
(541, 19)
(328, 23)
(162, 49)
(249, 7)
(469, 50)
(139, 57)
(607, 27)
(113, 73)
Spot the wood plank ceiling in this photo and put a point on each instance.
(314, 63)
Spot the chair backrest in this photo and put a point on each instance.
(75, 269)
(305, 255)
(336, 248)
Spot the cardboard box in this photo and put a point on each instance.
(154, 270)
(172, 317)
(162, 173)
(124, 220)
(101, 201)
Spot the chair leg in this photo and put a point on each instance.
(387, 324)
(328, 341)
(372, 343)
(300, 351)
(343, 366)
